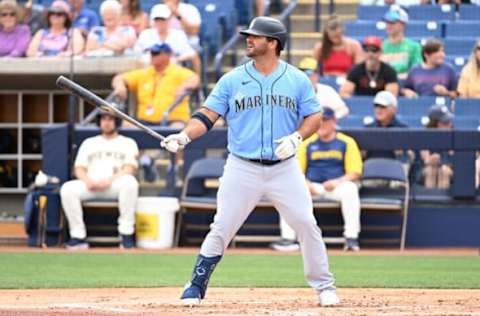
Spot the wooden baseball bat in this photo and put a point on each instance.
(90, 97)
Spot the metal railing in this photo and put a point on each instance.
(318, 13)
(284, 17)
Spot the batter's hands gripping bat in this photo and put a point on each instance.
(90, 97)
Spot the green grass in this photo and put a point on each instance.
(86, 270)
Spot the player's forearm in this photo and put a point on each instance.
(196, 128)
(310, 125)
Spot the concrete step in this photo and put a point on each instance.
(304, 40)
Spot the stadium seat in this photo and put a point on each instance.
(361, 106)
(421, 29)
(469, 12)
(351, 121)
(458, 46)
(371, 12)
(412, 121)
(386, 198)
(467, 108)
(458, 62)
(362, 29)
(146, 5)
(462, 29)
(418, 107)
(463, 122)
(431, 13)
(196, 195)
(210, 29)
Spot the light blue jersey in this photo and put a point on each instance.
(260, 109)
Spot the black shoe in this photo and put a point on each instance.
(128, 242)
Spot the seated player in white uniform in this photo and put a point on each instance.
(104, 167)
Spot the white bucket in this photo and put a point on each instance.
(155, 222)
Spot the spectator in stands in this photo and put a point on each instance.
(400, 52)
(83, 18)
(59, 39)
(336, 54)
(332, 163)
(385, 109)
(157, 86)
(161, 33)
(437, 168)
(185, 17)
(371, 76)
(113, 38)
(326, 95)
(134, 16)
(14, 37)
(104, 167)
(403, 3)
(433, 77)
(469, 84)
(33, 14)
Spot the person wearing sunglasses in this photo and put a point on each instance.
(469, 83)
(14, 37)
(161, 32)
(371, 76)
(59, 39)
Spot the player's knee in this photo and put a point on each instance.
(129, 182)
(350, 188)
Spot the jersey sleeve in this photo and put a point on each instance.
(353, 158)
(218, 99)
(82, 156)
(131, 153)
(308, 103)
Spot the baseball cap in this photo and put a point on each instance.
(439, 113)
(59, 6)
(396, 14)
(328, 113)
(160, 48)
(161, 11)
(385, 99)
(374, 41)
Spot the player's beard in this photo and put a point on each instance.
(256, 51)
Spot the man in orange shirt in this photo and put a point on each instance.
(157, 86)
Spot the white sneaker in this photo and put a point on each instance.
(329, 298)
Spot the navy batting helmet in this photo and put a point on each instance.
(118, 104)
(268, 27)
(118, 121)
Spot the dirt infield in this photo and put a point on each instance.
(244, 301)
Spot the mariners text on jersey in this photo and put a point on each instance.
(262, 108)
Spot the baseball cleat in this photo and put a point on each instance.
(191, 295)
(329, 298)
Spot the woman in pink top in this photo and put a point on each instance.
(336, 54)
(132, 15)
(59, 39)
(14, 38)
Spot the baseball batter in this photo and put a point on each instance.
(270, 108)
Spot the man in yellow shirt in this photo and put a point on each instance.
(332, 163)
(157, 86)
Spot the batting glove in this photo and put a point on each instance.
(175, 142)
(288, 145)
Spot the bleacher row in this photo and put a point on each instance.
(458, 29)
(414, 112)
(219, 18)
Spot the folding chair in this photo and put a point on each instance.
(393, 197)
(196, 193)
